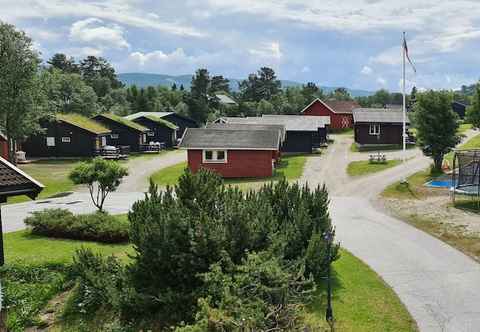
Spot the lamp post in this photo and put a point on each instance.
(328, 236)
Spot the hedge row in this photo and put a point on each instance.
(60, 223)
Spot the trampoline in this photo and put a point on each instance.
(466, 173)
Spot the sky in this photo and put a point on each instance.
(351, 43)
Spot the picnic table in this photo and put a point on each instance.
(110, 152)
(153, 147)
(377, 158)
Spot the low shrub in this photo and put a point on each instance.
(26, 290)
(100, 281)
(61, 223)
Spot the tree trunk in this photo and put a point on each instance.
(11, 150)
(437, 162)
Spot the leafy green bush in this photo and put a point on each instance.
(62, 223)
(99, 279)
(26, 290)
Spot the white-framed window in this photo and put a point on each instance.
(114, 136)
(66, 139)
(214, 156)
(151, 133)
(374, 129)
(50, 141)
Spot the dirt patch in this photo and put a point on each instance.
(52, 310)
(436, 215)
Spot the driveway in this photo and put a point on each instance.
(438, 284)
(140, 170)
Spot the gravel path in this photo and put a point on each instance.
(436, 282)
(140, 170)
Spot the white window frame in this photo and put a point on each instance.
(50, 141)
(214, 159)
(374, 129)
(66, 139)
(150, 133)
(114, 136)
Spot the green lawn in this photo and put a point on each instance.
(464, 127)
(472, 143)
(53, 174)
(364, 167)
(291, 167)
(413, 189)
(362, 302)
(36, 270)
(372, 148)
(23, 247)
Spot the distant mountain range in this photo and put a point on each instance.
(146, 79)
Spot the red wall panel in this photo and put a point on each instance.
(240, 163)
(337, 120)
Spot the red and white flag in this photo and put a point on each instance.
(405, 48)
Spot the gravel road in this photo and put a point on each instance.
(438, 284)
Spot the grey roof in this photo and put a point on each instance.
(224, 99)
(378, 115)
(291, 122)
(247, 126)
(142, 114)
(230, 139)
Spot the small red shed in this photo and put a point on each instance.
(339, 111)
(4, 147)
(232, 153)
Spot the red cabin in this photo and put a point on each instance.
(339, 111)
(232, 153)
(4, 147)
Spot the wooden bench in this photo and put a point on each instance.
(378, 158)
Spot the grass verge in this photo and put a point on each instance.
(413, 189)
(51, 173)
(468, 243)
(364, 167)
(23, 247)
(472, 143)
(374, 148)
(37, 269)
(362, 301)
(290, 167)
(464, 127)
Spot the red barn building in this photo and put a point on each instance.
(339, 111)
(232, 153)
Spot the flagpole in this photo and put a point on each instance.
(404, 133)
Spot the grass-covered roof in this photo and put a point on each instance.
(124, 122)
(161, 121)
(83, 122)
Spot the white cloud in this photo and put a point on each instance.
(269, 50)
(93, 31)
(366, 70)
(82, 52)
(305, 69)
(158, 61)
(125, 12)
(381, 81)
(176, 56)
